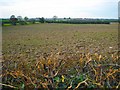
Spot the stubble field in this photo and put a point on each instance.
(60, 56)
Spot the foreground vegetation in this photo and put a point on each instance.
(57, 56)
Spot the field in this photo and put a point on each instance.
(68, 56)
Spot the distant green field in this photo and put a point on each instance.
(57, 55)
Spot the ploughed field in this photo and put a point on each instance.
(60, 56)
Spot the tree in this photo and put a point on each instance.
(32, 21)
(42, 20)
(20, 20)
(64, 18)
(55, 18)
(13, 19)
(12, 16)
(69, 18)
(26, 18)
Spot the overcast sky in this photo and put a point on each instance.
(60, 8)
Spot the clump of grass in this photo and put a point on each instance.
(50, 71)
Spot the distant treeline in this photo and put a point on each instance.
(16, 21)
(80, 22)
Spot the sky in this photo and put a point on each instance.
(60, 8)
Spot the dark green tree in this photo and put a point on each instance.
(13, 20)
(42, 20)
(26, 18)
